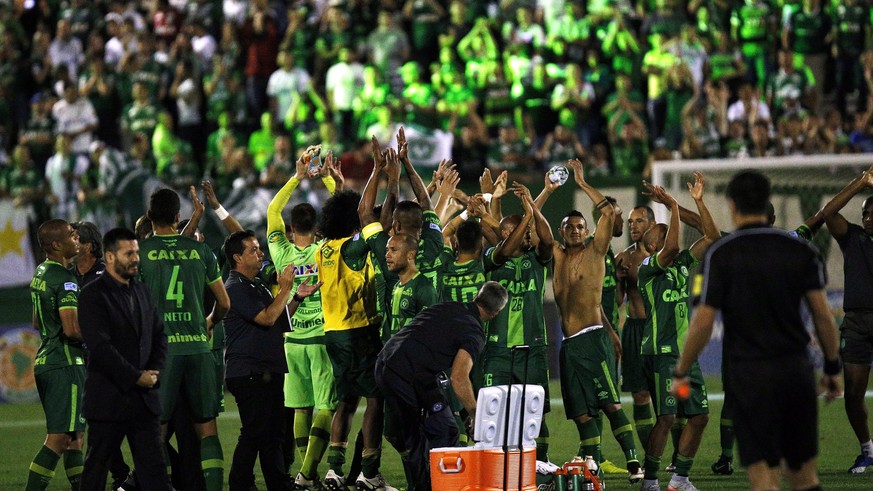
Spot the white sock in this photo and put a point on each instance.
(867, 448)
(678, 478)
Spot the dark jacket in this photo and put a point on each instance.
(121, 343)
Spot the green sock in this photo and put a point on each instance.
(336, 456)
(589, 439)
(652, 465)
(302, 424)
(644, 421)
(726, 430)
(319, 435)
(212, 462)
(42, 469)
(370, 458)
(73, 463)
(675, 434)
(683, 465)
(543, 442)
(624, 434)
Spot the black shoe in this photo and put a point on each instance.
(724, 466)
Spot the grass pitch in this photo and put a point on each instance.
(22, 430)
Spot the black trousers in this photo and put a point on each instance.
(421, 430)
(260, 400)
(143, 432)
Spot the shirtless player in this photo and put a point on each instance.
(588, 381)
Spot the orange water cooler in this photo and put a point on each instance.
(482, 469)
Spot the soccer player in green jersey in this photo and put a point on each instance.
(521, 269)
(663, 284)
(309, 384)
(177, 269)
(413, 292)
(59, 367)
(461, 277)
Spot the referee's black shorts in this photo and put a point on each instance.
(775, 411)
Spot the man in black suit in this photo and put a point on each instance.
(127, 349)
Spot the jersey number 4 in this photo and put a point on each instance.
(174, 290)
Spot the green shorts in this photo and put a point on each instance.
(499, 370)
(218, 358)
(353, 358)
(192, 379)
(632, 377)
(309, 381)
(588, 379)
(60, 392)
(659, 375)
(856, 337)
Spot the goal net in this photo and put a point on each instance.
(801, 186)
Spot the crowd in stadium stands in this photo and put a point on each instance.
(235, 89)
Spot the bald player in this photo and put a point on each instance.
(59, 367)
(663, 284)
(628, 262)
(588, 379)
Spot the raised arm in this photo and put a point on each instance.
(275, 223)
(516, 238)
(194, 222)
(710, 231)
(837, 224)
(490, 226)
(670, 249)
(368, 196)
(549, 187)
(415, 181)
(603, 232)
(544, 232)
(447, 189)
(230, 223)
(686, 216)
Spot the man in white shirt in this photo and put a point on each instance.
(65, 49)
(285, 83)
(342, 82)
(75, 118)
(64, 171)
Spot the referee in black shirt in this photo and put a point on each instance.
(757, 277)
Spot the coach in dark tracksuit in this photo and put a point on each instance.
(127, 349)
(442, 338)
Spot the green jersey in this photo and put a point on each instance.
(114, 167)
(459, 282)
(52, 290)
(137, 118)
(750, 24)
(808, 32)
(408, 299)
(522, 321)
(308, 320)
(177, 269)
(851, 29)
(665, 295)
(430, 247)
(609, 300)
